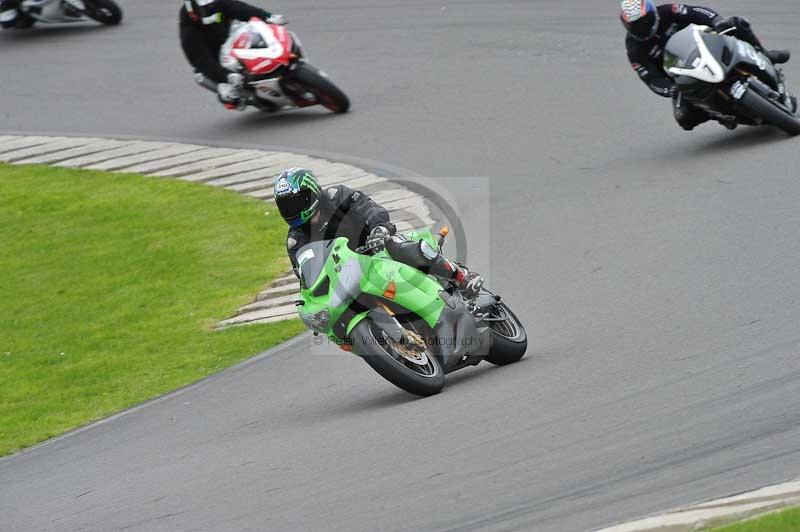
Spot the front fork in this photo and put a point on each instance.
(298, 95)
(782, 98)
(787, 96)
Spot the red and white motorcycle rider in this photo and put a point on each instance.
(204, 27)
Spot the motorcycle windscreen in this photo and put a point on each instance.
(681, 50)
(249, 39)
(693, 54)
(311, 260)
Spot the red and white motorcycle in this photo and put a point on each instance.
(29, 12)
(276, 72)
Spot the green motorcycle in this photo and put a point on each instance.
(408, 326)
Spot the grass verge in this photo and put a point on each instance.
(783, 521)
(110, 287)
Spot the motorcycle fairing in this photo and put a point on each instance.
(404, 285)
(260, 47)
(692, 59)
(458, 340)
(333, 277)
(744, 55)
(51, 11)
(697, 55)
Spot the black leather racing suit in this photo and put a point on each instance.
(345, 212)
(647, 57)
(202, 42)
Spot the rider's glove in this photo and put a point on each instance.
(236, 80)
(277, 19)
(723, 24)
(377, 237)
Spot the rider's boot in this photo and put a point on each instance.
(469, 283)
(424, 257)
(687, 115)
(239, 105)
(230, 97)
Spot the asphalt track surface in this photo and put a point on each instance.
(657, 272)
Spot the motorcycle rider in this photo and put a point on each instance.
(204, 28)
(315, 214)
(649, 27)
(12, 17)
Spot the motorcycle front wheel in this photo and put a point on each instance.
(104, 11)
(770, 112)
(308, 78)
(509, 339)
(408, 365)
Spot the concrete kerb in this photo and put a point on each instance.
(718, 512)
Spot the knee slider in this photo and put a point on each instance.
(428, 251)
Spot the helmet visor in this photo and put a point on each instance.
(645, 27)
(292, 206)
(207, 11)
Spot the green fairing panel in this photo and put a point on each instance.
(415, 291)
(355, 321)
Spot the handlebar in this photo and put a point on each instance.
(443, 232)
(362, 250)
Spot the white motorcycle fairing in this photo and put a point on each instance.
(705, 68)
(268, 89)
(52, 11)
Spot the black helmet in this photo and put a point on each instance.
(640, 18)
(205, 11)
(297, 195)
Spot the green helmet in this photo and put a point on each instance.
(297, 195)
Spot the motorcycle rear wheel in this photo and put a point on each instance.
(104, 11)
(423, 378)
(770, 112)
(509, 339)
(323, 89)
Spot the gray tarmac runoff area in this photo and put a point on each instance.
(656, 271)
